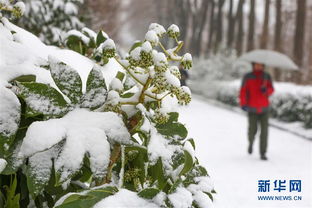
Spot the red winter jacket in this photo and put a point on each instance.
(251, 95)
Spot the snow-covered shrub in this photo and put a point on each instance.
(86, 132)
(207, 73)
(289, 102)
(51, 19)
(11, 10)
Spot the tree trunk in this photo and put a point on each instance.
(240, 32)
(251, 28)
(212, 27)
(201, 21)
(219, 35)
(299, 32)
(265, 29)
(231, 26)
(278, 26)
(277, 35)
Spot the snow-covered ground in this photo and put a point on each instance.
(221, 146)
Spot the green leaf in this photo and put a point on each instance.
(135, 45)
(25, 78)
(192, 143)
(42, 99)
(100, 38)
(96, 91)
(172, 128)
(12, 198)
(76, 44)
(67, 79)
(120, 76)
(188, 163)
(127, 95)
(88, 199)
(157, 173)
(175, 186)
(95, 80)
(14, 162)
(149, 193)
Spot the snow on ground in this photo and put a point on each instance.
(221, 141)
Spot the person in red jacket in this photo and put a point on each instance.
(254, 96)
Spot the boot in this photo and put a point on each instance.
(250, 148)
(263, 157)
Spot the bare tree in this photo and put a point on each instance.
(211, 26)
(278, 26)
(251, 27)
(104, 15)
(299, 32)
(231, 26)
(199, 16)
(219, 35)
(240, 27)
(265, 29)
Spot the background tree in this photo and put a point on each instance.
(231, 25)
(219, 34)
(50, 20)
(265, 29)
(251, 26)
(240, 27)
(299, 32)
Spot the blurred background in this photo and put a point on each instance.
(208, 27)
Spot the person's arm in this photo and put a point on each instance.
(243, 93)
(270, 88)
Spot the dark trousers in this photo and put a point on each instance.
(263, 120)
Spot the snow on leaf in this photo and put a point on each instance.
(96, 92)
(84, 132)
(67, 79)
(3, 163)
(10, 110)
(86, 198)
(42, 99)
(182, 198)
(124, 198)
(38, 171)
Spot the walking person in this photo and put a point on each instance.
(254, 96)
(184, 76)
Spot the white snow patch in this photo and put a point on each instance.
(124, 198)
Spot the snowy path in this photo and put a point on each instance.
(221, 143)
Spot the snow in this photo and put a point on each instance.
(157, 28)
(124, 198)
(135, 53)
(187, 57)
(221, 141)
(171, 79)
(20, 6)
(3, 164)
(152, 37)
(84, 131)
(147, 47)
(159, 146)
(9, 112)
(116, 85)
(113, 97)
(90, 33)
(107, 44)
(108, 122)
(174, 28)
(25, 56)
(78, 34)
(159, 58)
(70, 8)
(181, 198)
